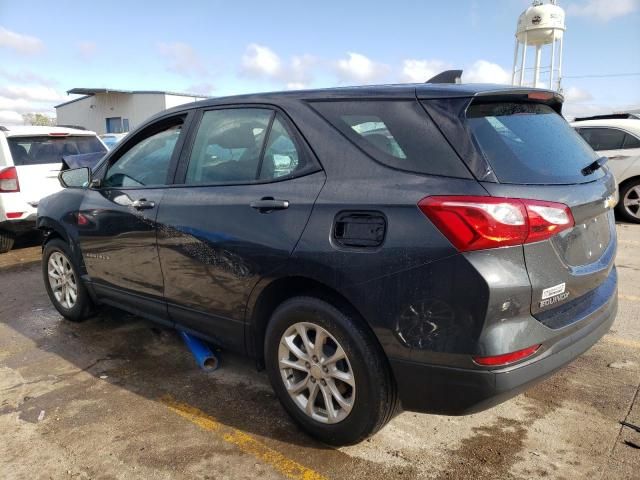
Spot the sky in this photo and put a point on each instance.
(228, 47)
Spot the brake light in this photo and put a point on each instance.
(58, 134)
(507, 358)
(478, 223)
(9, 180)
(14, 214)
(540, 95)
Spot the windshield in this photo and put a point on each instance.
(529, 143)
(46, 149)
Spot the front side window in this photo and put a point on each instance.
(147, 162)
(603, 138)
(51, 149)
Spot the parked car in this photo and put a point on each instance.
(432, 248)
(30, 159)
(112, 139)
(618, 139)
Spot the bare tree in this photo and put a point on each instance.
(38, 119)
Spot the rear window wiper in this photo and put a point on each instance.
(592, 167)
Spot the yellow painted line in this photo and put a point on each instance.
(245, 442)
(625, 342)
(632, 298)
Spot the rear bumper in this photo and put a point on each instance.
(455, 391)
(17, 227)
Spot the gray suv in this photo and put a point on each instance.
(433, 248)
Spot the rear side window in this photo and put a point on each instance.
(51, 149)
(528, 143)
(397, 133)
(631, 142)
(603, 138)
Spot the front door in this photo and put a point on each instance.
(117, 221)
(248, 192)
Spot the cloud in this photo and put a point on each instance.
(8, 117)
(603, 10)
(205, 89)
(577, 95)
(419, 71)
(26, 76)
(261, 61)
(20, 43)
(359, 68)
(296, 86)
(483, 71)
(182, 59)
(87, 50)
(37, 93)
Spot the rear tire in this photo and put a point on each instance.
(628, 207)
(366, 395)
(63, 283)
(6, 242)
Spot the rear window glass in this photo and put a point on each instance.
(397, 133)
(46, 149)
(530, 143)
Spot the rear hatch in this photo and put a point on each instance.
(519, 147)
(38, 160)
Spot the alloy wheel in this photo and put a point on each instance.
(316, 372)
(631, 201)
(62, 280)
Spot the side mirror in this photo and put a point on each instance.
(75, 178)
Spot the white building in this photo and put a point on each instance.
(115, 111)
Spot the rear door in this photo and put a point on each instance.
(249, 184)
(38, 160)
(117, 220)
(535, 154)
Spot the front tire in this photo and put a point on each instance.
(628, 207)
(329, 372)
(6, 242)
(63, 284)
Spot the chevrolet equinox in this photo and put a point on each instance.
(435, 248)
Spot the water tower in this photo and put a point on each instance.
(540, 27)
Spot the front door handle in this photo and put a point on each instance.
(143, 204)
(268, 204)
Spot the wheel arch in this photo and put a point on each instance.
(268, 296)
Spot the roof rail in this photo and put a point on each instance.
(77, 127)
(448, 76)
(608, 116)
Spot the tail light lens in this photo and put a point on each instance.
(478, 223)
(9, 180)
(507, 358)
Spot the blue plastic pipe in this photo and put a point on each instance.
(201, 352)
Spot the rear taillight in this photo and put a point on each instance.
(9, 180)
(507, 358)
(478, 223)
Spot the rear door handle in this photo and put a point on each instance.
(143, 204)
(267, 204)
(618, 157)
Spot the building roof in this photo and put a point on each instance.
(88, 92)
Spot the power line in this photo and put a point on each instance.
(606, 75)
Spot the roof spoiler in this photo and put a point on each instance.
(448, 76)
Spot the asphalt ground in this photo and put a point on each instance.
(117, 397)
